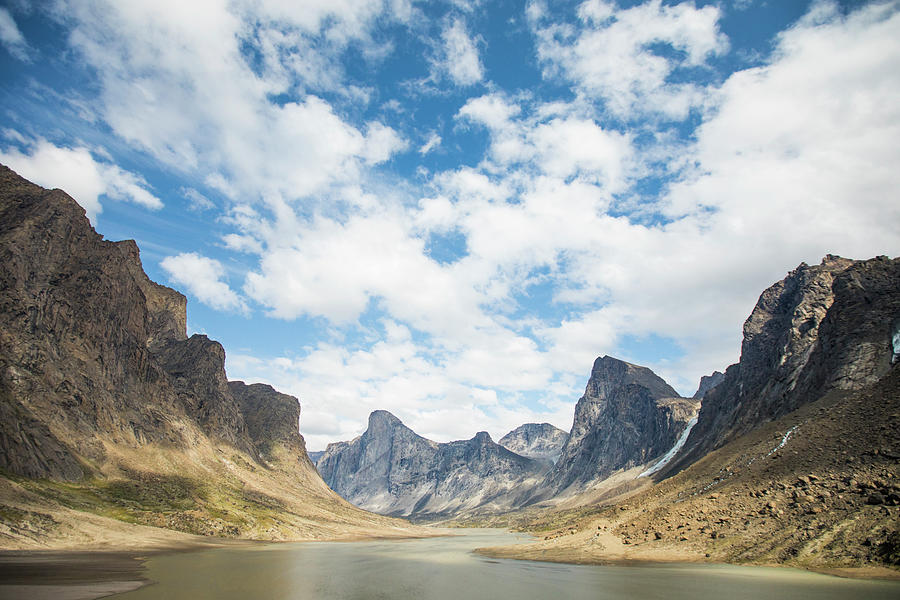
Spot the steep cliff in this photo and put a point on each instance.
(540, 441)
(708, 382)
(627, 417)
(107, 406)
(391, 470)
(823, 328)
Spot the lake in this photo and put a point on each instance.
(445, 568)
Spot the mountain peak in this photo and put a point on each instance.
(610, 374)
(483, 437)
(383, 418)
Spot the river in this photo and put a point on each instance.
(445, 568)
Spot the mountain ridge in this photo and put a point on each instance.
(392, 470)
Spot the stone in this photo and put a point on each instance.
(875, 498)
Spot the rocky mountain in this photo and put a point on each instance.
(627, 417)
(540, 441)
(107, 406)
(708, 382)
(795, 456)
(824, 328)
(391, 470)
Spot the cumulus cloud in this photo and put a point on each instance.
(81, 175)
(460, 60)
(203, 278)
(611, 57)
(188, 95)
(562, 146)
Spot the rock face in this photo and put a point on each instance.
(101, 387)
(824, 328)
(708, 382)
(627, 417)
(391, 470)
(540, 441)
(272, 418)
(89, 344)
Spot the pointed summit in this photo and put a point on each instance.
(627, 416)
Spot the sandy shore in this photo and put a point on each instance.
(607, 549)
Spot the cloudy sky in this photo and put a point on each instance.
(449, 209)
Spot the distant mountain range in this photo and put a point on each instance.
(627, 417)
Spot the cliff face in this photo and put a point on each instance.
(823, 328)
(99, 383)
(391, 470)
(708, 382)
(540, 441)
(627, 417)
(76, 330)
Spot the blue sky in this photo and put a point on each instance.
(449, 209)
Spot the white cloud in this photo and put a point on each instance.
(189, 97)
(459, 58)
(203, 277)
(382, 142)
(198, 202)
(610, 58)
(433, 141)
(11, 38)
(76, 171)
(562, 146)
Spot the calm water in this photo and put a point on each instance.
(445, 569)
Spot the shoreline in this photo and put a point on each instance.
(575, 556)
(83, 574)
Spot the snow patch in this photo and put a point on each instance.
(783, 441)
(671, 453)
(895, 341)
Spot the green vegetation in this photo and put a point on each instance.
(172, 501)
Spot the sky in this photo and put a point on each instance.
(449, 209)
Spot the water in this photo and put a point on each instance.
(445, 569)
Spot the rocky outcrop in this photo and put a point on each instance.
(540, 441)
(824, 328)
(391, 470)
(708, 382)
(272, 418)
(627, 417)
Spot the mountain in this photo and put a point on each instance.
(824, 328)
(627, 417)
(708, 382)
(540, 441)
(391, 470)
(110, 411)
(795, 456)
